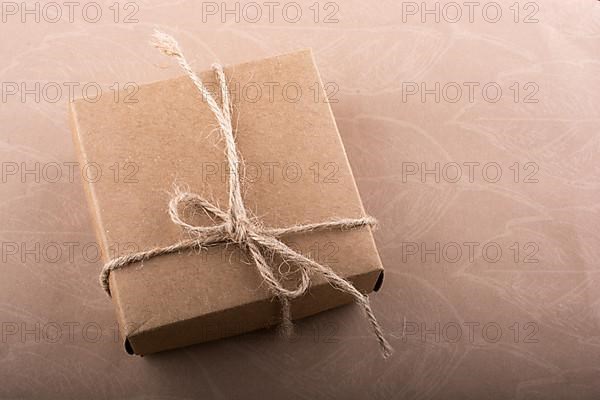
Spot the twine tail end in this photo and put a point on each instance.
(386, 348)
(165, 43)
(286, 327)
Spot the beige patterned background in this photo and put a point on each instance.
(472, 129)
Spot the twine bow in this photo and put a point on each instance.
(237, 227)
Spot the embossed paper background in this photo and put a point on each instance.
(472, 130)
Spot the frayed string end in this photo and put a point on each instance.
(165, 43)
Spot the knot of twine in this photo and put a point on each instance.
(235, 225)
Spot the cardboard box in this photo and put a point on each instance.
(135, 147)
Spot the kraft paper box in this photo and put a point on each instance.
(296, 171)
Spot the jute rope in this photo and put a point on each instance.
(235, 225)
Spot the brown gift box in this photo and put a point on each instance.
(296, 172)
